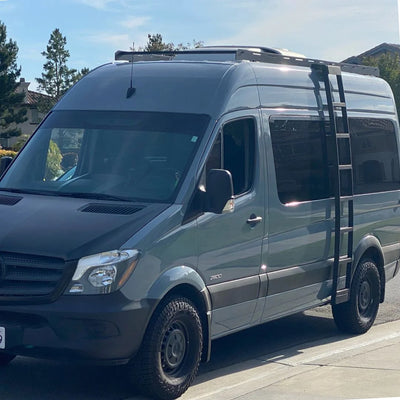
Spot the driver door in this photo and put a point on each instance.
(230, 243)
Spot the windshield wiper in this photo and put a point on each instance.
(29, 191)
(97, 196)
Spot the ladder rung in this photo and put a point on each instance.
(346, 229)
(339, 104)
(346, 198)
(342, 295)
(343, 135)
(343, 167)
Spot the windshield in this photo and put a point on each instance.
(134, 156)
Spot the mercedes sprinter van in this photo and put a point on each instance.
(170, 199)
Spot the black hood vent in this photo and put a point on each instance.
(111, 209)
(9, 200)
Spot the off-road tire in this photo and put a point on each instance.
(170, 354)
(358, 314)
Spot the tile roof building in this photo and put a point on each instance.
(34, 116)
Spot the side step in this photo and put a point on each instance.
(342, 295)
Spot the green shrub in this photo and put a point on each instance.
(7, 153)
(53, 164)
(20, 143)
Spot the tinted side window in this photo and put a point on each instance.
(375, 155)
(234, 151)
(300, 159)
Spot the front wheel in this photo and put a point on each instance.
(170, 354)
(359, 313)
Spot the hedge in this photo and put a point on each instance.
(7, 153)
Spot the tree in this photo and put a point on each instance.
(389, 68)
(12, 111)
(80, 74)
(53, 162)
(155, 43)
(188, 46)
(57, 77)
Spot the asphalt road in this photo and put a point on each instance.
(31, 379)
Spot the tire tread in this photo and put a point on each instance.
(144, 374)
(346, 315)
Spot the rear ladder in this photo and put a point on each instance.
(341, 173)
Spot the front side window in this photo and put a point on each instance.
(137, 156)
(234, 150)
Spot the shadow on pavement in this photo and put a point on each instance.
(31, 379)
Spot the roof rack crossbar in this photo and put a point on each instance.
(241, 54)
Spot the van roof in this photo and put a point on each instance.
(187, 87)
(241, 53)
(162, 82)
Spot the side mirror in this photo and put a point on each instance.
(4, 163)
(219, 191)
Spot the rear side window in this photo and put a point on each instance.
(234, 150)
(375, 155)
(300, 159)
(301, 165)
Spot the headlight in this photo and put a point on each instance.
(103, 272)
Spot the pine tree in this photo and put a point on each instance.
(57, 78)
(155, 43)
(12, 111)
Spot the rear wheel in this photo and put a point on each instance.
(170, 354)
(359, 313)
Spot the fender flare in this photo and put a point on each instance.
(173, 277)
(367, 243)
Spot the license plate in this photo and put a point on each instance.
(2, 337)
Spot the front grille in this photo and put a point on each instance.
(29, 276)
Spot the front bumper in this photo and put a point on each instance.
(104, 329)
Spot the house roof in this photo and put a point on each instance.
(382, 48)
(32, 98)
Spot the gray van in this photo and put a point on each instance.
(174, 198)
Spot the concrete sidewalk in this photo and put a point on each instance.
(342, 367)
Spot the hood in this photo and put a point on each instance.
(68, 228)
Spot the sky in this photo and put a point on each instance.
(95, 29)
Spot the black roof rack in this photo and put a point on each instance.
(240, 53)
